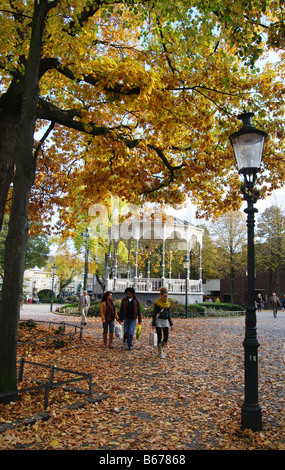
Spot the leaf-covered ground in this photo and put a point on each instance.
(191, 400)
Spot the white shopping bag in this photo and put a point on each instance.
(118, 331)
(153, 338)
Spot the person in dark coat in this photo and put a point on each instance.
(130, 311)
(274, 303)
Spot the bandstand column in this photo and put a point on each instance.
(129, 255)
(108, 261)
(200, 266)
(163, 264)
(115, 265)
(169, 272)
(187, 272)
(148, 284)
(136, 266)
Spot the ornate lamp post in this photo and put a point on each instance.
(186, 264)
(53, 269)
(86, 236)
(248, 147)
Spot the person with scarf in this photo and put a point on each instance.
(161, 320)
(108, 316)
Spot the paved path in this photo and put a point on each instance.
(267, 325)
(38, 311)
(42, 312)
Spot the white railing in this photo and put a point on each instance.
(153, 284)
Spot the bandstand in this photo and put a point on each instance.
(176, 235)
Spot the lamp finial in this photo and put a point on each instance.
(246, 118)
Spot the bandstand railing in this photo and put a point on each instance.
(153, 284)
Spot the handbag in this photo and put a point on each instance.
(118, 331)
(153, 338)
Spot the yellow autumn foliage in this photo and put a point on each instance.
(144, 100)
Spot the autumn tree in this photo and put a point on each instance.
(270, 243)
(136, 100)
(230, 235)
(103, 80)
(209, 256)
(68, 265)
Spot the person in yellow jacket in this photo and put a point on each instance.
(161, 320)
(108, 316)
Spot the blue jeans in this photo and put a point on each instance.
(110, 325)
(129, 328)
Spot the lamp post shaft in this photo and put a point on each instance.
(251, 411)
(186, 291)
(86, 235)
(86, 265)
(186, 267)
(52, 286)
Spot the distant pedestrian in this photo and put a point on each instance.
(259, 303)
(130, 311)
(274, 303)
(83, 306)
(161, 320)
(108, 316)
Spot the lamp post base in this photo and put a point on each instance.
(251, 417)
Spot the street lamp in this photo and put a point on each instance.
(86, 236)
(248, 147)
(186, 264)
(53, 270)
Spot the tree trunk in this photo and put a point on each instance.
(10, 108)
(16, 244)
(232, 285)
(232, 277)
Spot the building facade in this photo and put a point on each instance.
(39, 279)
(265, 284)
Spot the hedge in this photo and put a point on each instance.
(177, 309)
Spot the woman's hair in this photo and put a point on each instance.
(163, 290)
(105, 295)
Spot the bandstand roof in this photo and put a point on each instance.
(146, 231)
